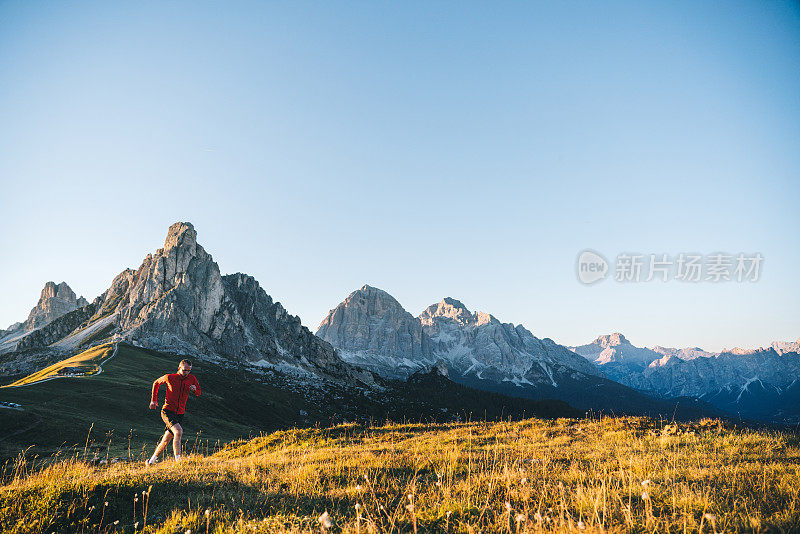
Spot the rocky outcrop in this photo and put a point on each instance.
(617, 357)
(615, 348)
(177, 300)
(173, 298)
(258, 322)
(477, 343)
(57, 329)
(16, 327)
(782, 347)
(371, 329)
(55, 301)
(451, 311)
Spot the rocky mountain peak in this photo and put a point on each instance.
(373, 292)
(181, 234)
(484, 318)
(448, 309)
(612, 340)
(372, 300)
(370, 328)
(55, 300)
(62, 290)
(471, 346)
(782, 347)
(177, 300)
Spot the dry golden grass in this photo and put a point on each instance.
(606, 475)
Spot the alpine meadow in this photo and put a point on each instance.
(399, 267)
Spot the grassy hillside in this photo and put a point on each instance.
(109, 410)
(88, 362)
(113, 406)
(565, 475)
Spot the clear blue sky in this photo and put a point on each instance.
(428, 148)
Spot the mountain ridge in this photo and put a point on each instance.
(477, 350)
(725, 379)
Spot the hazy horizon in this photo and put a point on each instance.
(431, 150)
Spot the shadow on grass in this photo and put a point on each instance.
(66, 508)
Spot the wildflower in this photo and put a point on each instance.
(448, 513)
(116, 522)
(645, 496)
(538, 517)
(646, 483)
(105, 503)
(519, 518)
(710, 517)
(410, 507)
(325, 520)
(358, 487)
(135, 525)
(523, 481)
(208, 512)
(581, 525)
(189, 531)
(358, 507)
(508, 506)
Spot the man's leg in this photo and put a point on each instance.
(161, 446)
(177, 430)
(163, 443)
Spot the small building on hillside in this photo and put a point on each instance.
(71, 371)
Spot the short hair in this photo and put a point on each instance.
(185, 363)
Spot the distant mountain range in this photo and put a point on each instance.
(177, 301)
(371, 329)
(753, 383)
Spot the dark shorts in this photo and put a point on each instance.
(171, 418)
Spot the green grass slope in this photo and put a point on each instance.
(110, 409)
(115, 402)
(88, 362)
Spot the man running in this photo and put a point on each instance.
(178, 387)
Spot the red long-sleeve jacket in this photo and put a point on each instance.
(177, 391)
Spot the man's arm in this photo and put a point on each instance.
(197, 388)
(156, 387)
